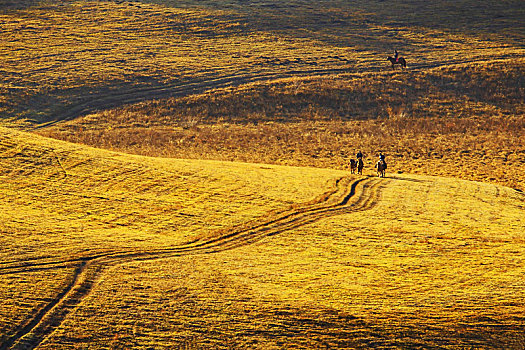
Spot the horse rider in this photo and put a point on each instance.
(396, 56)
(382, 157)
(359, 155)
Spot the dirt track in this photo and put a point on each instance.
(119, 98)
(344, 197)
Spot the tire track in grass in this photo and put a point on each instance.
(46, 310)
(368, 197)
(329, 204)
(345, 197)
(120, 98)
(181, 89)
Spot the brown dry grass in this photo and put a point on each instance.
(62, 202)
(483, 89)
(441, 267)
(463, 149)
(61, 54)
(463, 121)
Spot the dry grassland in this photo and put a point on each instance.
(66, 60)
(61, 60)
(403, 262)
(464, 121)
(63, 203)
(107, 250)
(65, 54)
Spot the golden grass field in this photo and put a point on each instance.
(62, 59)
(423, 123)
(296, 89)
(174, 174)
(205, 254)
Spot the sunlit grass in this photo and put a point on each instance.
(437, 261)
(58, 55)
(23, 294)
(463, 121)
(432, 262)
(436, 264)
(64, 202)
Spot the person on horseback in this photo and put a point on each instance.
(382, 159)
(381, 165)
(397, 60)
(359, 163)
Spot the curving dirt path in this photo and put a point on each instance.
(346, 196)
(123, 97)
(120, 98)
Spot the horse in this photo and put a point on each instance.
(381, 167)
(360, 166)
(400, 60)
(353, 166)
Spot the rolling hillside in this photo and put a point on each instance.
(108, 250)
(463, 120)
(275, 82)
(61, 60)
(174, 174)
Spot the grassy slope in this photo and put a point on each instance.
(59, 55)
(436, 262)
(418, 277)
(419, 270)
(64, 202)
(463, 120)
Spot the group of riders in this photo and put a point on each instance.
(356, 165)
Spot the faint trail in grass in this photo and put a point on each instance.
(120, 98)
(345, 197)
